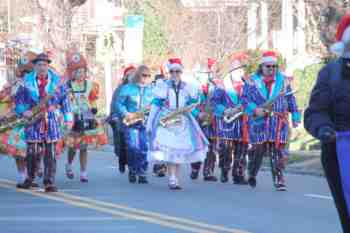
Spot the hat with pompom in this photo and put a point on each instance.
(128, 69)
(175, 64)
(342, 36)
(269, 57)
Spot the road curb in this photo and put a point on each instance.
(296, 171)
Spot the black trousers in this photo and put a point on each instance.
(239, 162)
(209, 162)
(256, 156)
(48, 151)
(120, 145)
(330, 165)
(226, 155)
(255, 159)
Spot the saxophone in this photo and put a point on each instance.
(231, 118)
(267, 106)
(10, 122)
(175, 116)
(139, 116)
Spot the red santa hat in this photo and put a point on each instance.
(211, 63)
(175, 63)
(342, 36)
(269, 57)
(128, 68)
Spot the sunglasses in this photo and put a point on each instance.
(146, 75)
(271, 66)
(175, 71)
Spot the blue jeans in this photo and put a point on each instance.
(137, 150)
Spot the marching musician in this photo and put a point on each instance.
(174, 134)
(207, 123)
(227, 103)
(133, 103)
(87, 130)
(45, 90)
(269, 124)
(120, 145)
(13, 141)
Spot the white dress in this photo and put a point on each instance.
(182, 142)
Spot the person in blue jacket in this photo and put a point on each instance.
(327, 118)
(120, 147)
(43, 134)
(134, 97)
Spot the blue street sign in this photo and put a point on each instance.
(134, 21)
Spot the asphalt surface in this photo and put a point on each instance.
(108, 203)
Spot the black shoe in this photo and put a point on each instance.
(50, 189)
(160, 173)
(194, 174)
(122, 169)
(143, 180)
(224, 177)
(252, 182)
(27, 184)
(132, 178)
(281, 187)
(175, 187)
(240, 180)
(34, 185)
(210, 178)
(156, 168)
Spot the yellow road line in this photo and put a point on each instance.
(128, 212)
(153, 214)
(112, 212)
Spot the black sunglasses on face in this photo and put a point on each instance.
(271, 66)
(146, 75)
(175, 71)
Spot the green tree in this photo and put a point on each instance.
(304, 81)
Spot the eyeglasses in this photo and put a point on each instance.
(175, 71)
(146, 75)
(271, 66)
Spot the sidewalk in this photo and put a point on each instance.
(310, 163)
(304, 163)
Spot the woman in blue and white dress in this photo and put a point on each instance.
(181, 141)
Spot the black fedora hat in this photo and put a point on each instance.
(42, 57)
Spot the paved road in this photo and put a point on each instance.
(108, 203)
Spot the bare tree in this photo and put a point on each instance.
(58, 16)
(323, 16)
